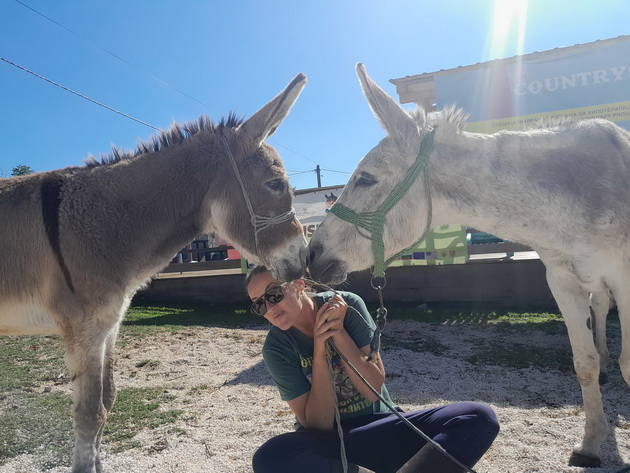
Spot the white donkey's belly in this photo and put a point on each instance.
(597, 270)
(26, 318)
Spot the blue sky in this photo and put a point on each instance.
(236, 55)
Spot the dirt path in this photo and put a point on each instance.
(231, 407)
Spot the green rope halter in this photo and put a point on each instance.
(374, 222)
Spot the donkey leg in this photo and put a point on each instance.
(85, 363)
(622, 298)
(600, 304)
(109, 389)
(573, 303)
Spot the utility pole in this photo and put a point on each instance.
(319, 176)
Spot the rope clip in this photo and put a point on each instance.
(381, 319)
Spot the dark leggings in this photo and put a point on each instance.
(382, 442)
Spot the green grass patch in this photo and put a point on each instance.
(517, 356)
(174, 316)
(137, 409)
(19, 371)
(144, 320)
(37, 423)
(181, 315)
(476, 314)
(34, 423)
(505, 322)
(421, 345)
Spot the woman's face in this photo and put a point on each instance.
(285, 313)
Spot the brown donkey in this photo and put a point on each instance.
(77, 243)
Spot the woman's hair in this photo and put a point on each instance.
(309, 284)
(253, 272)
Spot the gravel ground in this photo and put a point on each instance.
(231, 406)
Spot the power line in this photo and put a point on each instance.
(299, 172)
(131, 65)
(293, 170)
(80, 95)
(288, 149)
(294, 173)
(340, 172)
(112, 54)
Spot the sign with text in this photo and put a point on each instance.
(312, 205)
(585, 81)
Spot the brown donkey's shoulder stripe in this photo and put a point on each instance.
(51, 199)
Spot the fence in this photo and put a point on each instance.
(499, 272)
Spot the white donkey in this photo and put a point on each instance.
(77, 243)
(562, 190)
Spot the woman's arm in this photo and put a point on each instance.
(373, 371)
(333, 315)
(315, 409)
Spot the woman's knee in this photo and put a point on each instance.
(270, 453)
(482, 419)
(283, 453)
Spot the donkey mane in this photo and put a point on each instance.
(453, 119)
(175, 135)
(554, 123)
(450, 118)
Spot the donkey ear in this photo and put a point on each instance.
(391, 116)
(265, 121)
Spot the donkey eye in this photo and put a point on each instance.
(366, 180)
(276, 185)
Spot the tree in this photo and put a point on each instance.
(21, 170)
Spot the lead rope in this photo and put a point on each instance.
(374, 349)
(403, 418)
(330, 349)
(259, 222)
(625, 469)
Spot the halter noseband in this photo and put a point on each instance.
(374, 222)
(259, 222)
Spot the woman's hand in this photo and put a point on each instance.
(329, 320)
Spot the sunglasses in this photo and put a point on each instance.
(274, 295)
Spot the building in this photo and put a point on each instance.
(590, 80)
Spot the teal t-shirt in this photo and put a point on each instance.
(288, 355)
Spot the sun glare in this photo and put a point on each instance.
(508, 28)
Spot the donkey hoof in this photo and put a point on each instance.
(603, 378)
(584, 461)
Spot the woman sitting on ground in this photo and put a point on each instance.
(375, 439)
